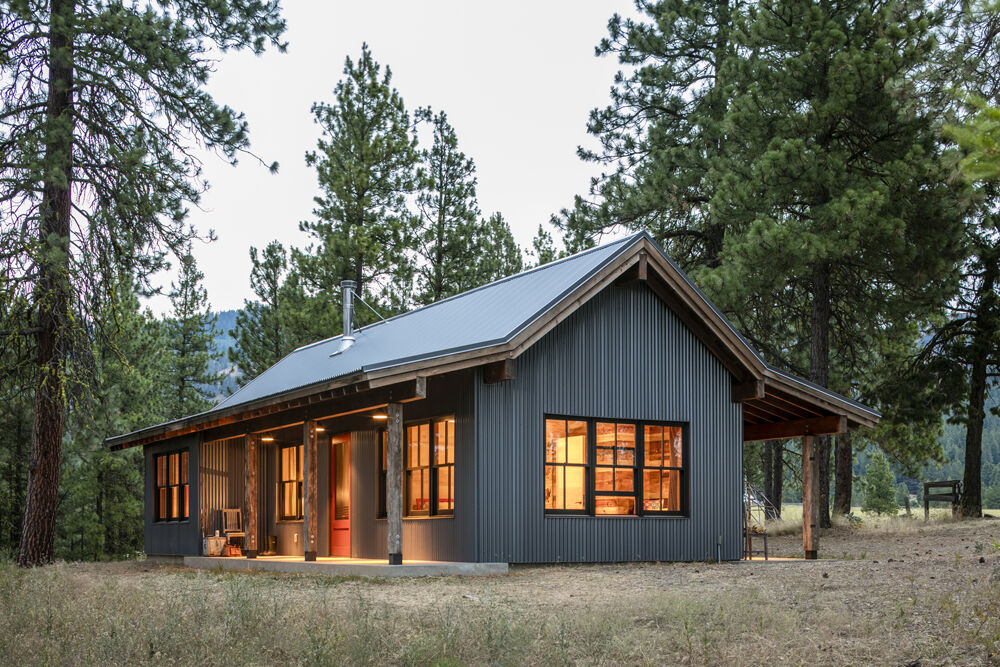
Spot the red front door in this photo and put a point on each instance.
(340, 496)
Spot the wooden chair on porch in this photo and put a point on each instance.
(232, 525)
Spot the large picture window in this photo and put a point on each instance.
(604, 467)
(171, 488)
(290, 483)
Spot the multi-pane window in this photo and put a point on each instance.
(383, 465)
(418, 469)
(429, 475)
(565, 465)
(602, 467)
(290, 483)
(614, 472)
(444, 464)
(662, 468)
(171, 488)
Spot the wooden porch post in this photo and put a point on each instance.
(309, 508)
(394, 483)
(810, 506)
(250, 476)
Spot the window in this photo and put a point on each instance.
(444, 465)
(383, 439)
(290, 484)
(429, 475)
(614, 474)
(565, 465)
(171, 488)
(625, 468)
(662, 468)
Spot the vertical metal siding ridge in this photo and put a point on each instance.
(609, 360)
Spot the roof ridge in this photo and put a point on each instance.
(498, 281)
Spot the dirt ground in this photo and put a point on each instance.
(910, 594)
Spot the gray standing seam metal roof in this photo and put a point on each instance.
(482, 317)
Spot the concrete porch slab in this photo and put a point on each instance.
(346, 567)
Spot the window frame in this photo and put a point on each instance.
(638, 468)
(382, 473)
(587, 466)
(184, 487)
(298, 449)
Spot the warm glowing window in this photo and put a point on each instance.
(171, 487)
(430, 467)
(290, 483)
(444, 463)
(625, 468)
(614, 471)
(383, 464)
(565, 465)
(662, 468)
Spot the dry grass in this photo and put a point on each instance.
(887, 598)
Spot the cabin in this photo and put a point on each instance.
(593, 409)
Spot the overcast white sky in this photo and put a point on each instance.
(517, 80)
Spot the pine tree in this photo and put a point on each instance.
(544, 248)
(498, 254)
(879, 487)
(281, 318)
(854, 232)
(190, 336)
(449, 215)
(101, 513)
(664, 137)
(365, 163)
(102, 109)
(962, 355)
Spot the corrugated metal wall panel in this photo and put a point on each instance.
(623, 355)
(441, 538)
(222, 474)
(172, 537)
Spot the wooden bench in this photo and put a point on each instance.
(953, 495)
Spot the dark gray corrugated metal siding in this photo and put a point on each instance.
(180, 537)
(623, 355)
(221, 471)
(440, 538)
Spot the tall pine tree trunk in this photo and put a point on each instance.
(819, 372)
(972, 503)
(774, 470)
(844, 475)
(52, 296)
(777, 475)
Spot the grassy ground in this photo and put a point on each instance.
(928, 593)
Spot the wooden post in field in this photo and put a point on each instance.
(394, 483)
(810, 508)
(309, 507)
(250, 496)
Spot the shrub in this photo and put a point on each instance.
(879, 487)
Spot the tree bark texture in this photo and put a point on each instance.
(844, 475)
(972, 505)
(52, 296)
(777, 476)
(819, 372)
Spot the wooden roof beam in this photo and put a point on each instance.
(829, 425)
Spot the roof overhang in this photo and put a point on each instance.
(641, 261)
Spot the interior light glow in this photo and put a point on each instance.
(267, 438)
(380, 416)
